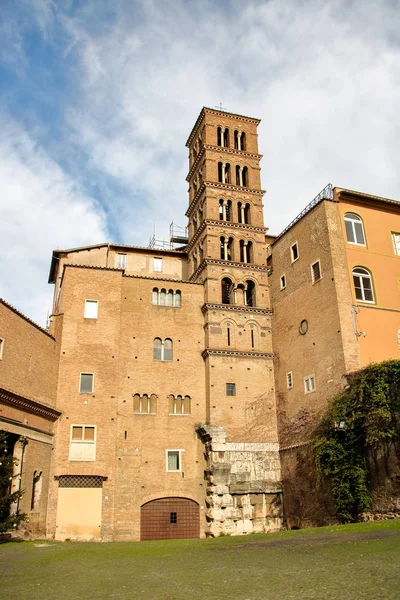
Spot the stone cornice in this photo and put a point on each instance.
(236, 353)
(161, 279)
(30, 406)
(223, 114)
(228, 224)
(247, 309)
(221, 186)
(219, 149)
(227, 263)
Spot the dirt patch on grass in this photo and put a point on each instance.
(315, 539)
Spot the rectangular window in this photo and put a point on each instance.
(121, 261)
(294, 252)
(86, 383)
(1, 348)
(309, 384)
(316, 271)
(157, 265)
(283, 282)
(231, 389)
(174, 460)
(83, 442)
(91, 309)
(289, 380)
(173, 518)
(396, 243)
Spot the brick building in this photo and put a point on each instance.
(163, 361)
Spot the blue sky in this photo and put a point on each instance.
(96, 104)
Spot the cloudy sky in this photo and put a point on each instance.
(97, 99)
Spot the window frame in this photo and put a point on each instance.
(353, 229)
(80, 381)
(394, 234)
(121, 263)
(228, 389)
(362, 276)
(83, 441)
(292, 258)
(89, 300)
(314, 280)
(282, 281)
(175, 398)
(306, 381)
(157, 270)
(289, 380)
(162, 350)
(149, 404)
(180, 452)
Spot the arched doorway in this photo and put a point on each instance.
(169, 518)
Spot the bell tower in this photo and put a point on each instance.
(227, 254)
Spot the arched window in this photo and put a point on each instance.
(243, 141)
(145, 404)
(226, 290)
(220, 172)
(354, 229)
(247, 214)
(238, 175)
(246, 251)
(219, 136)
(177, 299)
(236, 139)
(250, 293)
(363, 287)
(162, 350)
(226, 137)
(157, 346)
(225, 209)
(170, 298)
(178, 405)
(163, 295)
(226, 247)
(155, 295)
(250, 252)
(227, 173)
(245, 177)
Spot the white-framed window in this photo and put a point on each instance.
(2, 342)
(363, 287)
(122, 260)
(86, 383)
(179, 405)
(164, 297)
(396, 242)
(289, 380)
(91, 309)
(354, 229)
(145, 404)
(231, 389)
(174, 460)
(283, 282)
(309, 384)
(82, 442)
(294, 252)
(162, 349)
(316, 271)
(157, 265)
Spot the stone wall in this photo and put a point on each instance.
(244, 494)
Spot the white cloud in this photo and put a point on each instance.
(322, 75)
(41, 209)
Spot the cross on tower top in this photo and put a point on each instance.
(220, 107)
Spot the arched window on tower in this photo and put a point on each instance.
(245, 177)
(227, 173)
(226, 290)
(240, 295)
(226, 137)
(219, 136)
(221, 172)
(250, 293)
(243, 141)
(250, 252)
(236, 139)
(238, 175)
(221, 209)
(247, 214)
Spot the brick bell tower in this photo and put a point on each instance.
(227, 253)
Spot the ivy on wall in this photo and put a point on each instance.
(365, 418)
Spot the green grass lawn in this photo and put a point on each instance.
(344, 562)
